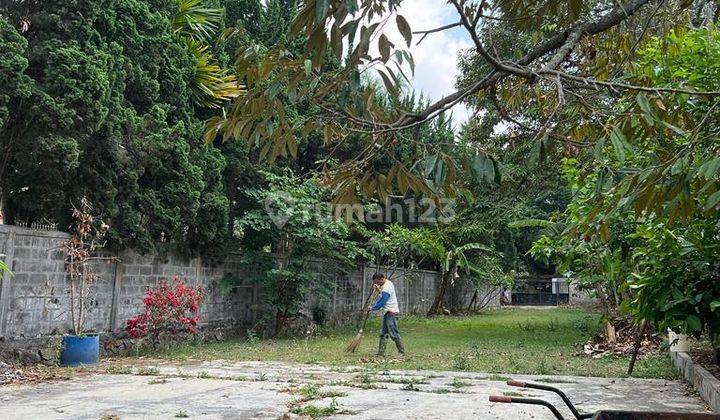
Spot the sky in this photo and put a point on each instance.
(436, 57)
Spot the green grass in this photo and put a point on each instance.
(314, 411)
(459, 383)
(148, 371)
(314, 392)
(527, 341)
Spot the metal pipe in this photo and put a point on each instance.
(531, 401)
(562, 395)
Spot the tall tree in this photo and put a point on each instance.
(100, 107)
(567, 55)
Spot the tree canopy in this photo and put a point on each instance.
(592, 148)
(565, 63)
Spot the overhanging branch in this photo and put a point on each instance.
(613, 18)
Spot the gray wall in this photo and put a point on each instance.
(34, 302)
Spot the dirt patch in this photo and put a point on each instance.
(618, 339)
(703, 354)
(24, 374)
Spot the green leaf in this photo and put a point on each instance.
(575, 8)
(195, 21)
(4, 268)
(384, 48)
(321, 7)
(694, 323)
(429, 165)
(391, 88)
(710, 168)
(352, 6)
(713, 200)
(619, 143)
(404, 28)
(598, 148)
(440, 172)
(677, 130)
(714, 305)
(411, 61)
(644, 104)
(496, 168)
(484, 168)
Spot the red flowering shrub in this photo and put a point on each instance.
(171, 308)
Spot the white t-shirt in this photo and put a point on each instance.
(391, 305)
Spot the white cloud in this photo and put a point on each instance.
(436, 57)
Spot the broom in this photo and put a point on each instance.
(355, 343)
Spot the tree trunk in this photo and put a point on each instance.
(438, 305)
(473, 301)
(281, 262)
(636, 349)
(280, 320)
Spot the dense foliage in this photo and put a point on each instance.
(106, 100)
(642, 228)
(102, 108)
(293, 222)
(594, 128)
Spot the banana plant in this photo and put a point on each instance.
(454, 260)
(3, 266)
(196, 26)
(456, 257)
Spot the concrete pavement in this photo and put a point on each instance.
(262, 390)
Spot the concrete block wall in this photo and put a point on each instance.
(35, 301)
(580, 297)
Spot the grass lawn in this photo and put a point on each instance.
(530, 341)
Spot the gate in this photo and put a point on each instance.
(541, 291)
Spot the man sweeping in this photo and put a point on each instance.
(388, 303)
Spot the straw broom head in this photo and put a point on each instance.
(355, 343)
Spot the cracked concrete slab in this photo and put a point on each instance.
(264, 390)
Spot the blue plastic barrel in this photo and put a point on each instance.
(80, 350)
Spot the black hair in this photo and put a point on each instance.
(378, 276)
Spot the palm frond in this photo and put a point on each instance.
(552, 229)
(195, 21)
(557, 229)
(211, 85)
(530, 223)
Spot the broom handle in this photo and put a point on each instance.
(367, 315)
(367, 302)
(367, 299)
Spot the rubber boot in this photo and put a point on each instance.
(382, 346)
(400, 346)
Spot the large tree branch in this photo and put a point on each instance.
(505, 115)
(613, 18)
(626, 86)
(565, 49)
(470, 28)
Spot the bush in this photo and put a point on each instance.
(169, 308)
